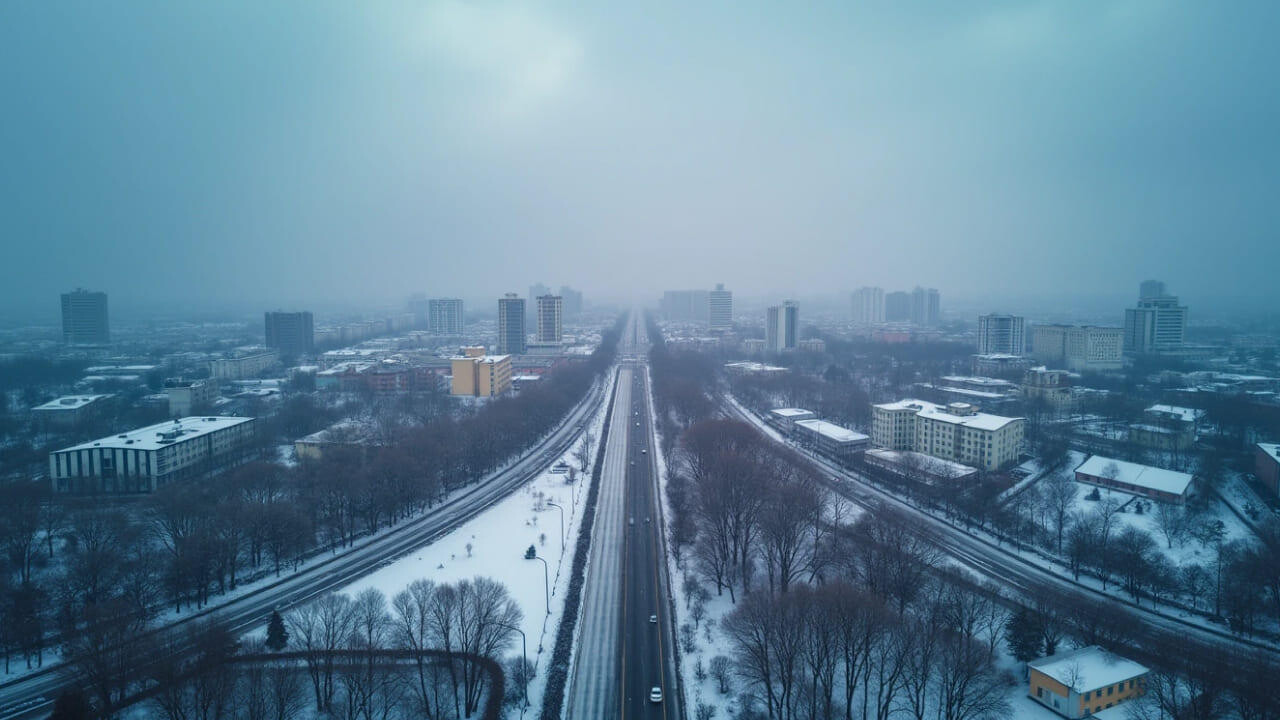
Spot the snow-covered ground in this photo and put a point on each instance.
(493, 545)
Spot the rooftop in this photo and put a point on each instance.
(69, 402)
(1154, 478)
(790, 412)
(831, 430)
(1185, 414)
(925, 409)
(1088, 668)
(159, 435)
(937, 466)
(1272, 449)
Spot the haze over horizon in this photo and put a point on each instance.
(243, 155)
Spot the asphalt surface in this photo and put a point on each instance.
(33, 694)
(620, 655)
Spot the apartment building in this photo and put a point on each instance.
(868, 306)
(956, 432)
(511, 333)
(782, 326)
(550, 319)
(84, 318)
(445, 316)
(1079, 683)
(243, 366)
(720, 308)
(481, 375)
(292, 333)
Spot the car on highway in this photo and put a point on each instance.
(653, 619)
(655, 695)
(644, 451)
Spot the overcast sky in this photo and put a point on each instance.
(245, 154)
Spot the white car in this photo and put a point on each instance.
(653, 619)
(655, 695)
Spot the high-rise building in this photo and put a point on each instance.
(1078, 348)
(84, 318)
(1001, 334)
(511, 334)
(419, 306)
(720, 308)
(572, 300)
(1157, 324)
(292, 333)
(782, 327)
(445, 316)
(1151, 289)
(897, 307)
(868, 305)
(686, 305)
(926, 306)
(536, 290)
(550, 312)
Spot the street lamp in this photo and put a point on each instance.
(532, 554)
(524, 652)
(561, 509)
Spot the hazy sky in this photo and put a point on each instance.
(239, 154)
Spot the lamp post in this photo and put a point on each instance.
(561, 509)
(532, 554)
(524, 652)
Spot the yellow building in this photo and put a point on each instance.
(1082, 682)
(482, 375)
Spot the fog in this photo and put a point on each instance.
(244, 155)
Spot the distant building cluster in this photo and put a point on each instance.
(712, 308)
(873, 306)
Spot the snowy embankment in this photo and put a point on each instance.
(493, 544)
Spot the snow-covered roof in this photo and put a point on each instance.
(937, 466)
(925, 409)
(790, 412)
(159, 435)
(1272, 449)
(831, 430)
(1154, 478)
(1088, 668)
(68, 402)
(979, 380)
(1184, 413)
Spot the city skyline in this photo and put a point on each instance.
(960, 172)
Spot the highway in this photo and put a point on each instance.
(1152, 627)
(33, 694)
(624, 645)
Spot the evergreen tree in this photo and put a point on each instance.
(1023, 635)
(277, 635)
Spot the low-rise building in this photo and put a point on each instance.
(752, 368)
(956, 432)
(784, 418)
(831, 439)
(1166, 427)
(1267, 466)
(241, 367)
(999, 365)
(484, 376)
(187, 396)
(752, 346)
(1085, 681)
(342, 434)
(149, 458)
(1052, 387)
(812, 345)
(70, 410)
(1156, 483)
(918, 466)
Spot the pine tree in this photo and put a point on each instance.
(1023, 635)
(277, 636)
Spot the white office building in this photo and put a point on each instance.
(1078, 348)
(1157, 324)
(1001, 334)
(550, 319)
